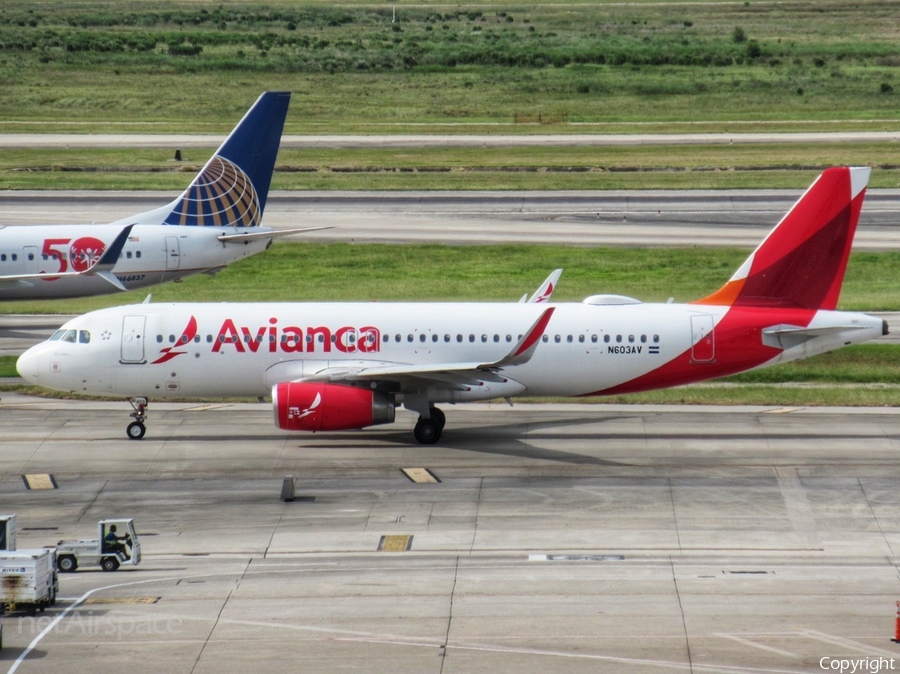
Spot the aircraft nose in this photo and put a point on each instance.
(27, 366)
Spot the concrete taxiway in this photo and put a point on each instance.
(563, 538)
(575, 218)
(406, 140)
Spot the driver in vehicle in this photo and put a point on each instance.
(114, 543)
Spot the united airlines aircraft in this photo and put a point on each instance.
(215, 222)
(337, 366)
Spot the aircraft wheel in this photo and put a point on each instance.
(109, 564)
(136, 430)
(437, 416)
(66, 563)
(427, 431)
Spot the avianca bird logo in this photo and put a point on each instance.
(295, 413)
(168, 353)
(545, 295)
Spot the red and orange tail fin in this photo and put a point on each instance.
(801, 263)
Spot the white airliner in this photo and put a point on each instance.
(338, 366)
(213, 223)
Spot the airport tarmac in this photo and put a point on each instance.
(572, 218)
(64, 141)
(561, 538)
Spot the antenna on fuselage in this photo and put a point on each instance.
(147, 299)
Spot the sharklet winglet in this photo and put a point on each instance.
(524, 349)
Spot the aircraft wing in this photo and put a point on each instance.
(266, 234)
(542, 294)
(101, 267)
(455, 374)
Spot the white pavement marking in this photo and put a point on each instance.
(747, 642)
(62, 615)
(692, 667)
(847, 643)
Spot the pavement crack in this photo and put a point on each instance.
(687, 641)
(449, 616)
(218, 618)
(887, 540)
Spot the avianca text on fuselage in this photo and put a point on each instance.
(295, 339)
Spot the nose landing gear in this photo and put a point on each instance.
(136, 428)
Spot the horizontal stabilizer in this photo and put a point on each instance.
(267, 234)
(789, 336)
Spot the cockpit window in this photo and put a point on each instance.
(56, 335)
(84, 337)
(70, 336)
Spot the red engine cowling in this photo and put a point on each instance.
(329, 407)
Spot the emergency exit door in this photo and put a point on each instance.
(133, 339)
(173, 252)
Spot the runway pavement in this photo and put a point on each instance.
(563, 538)
(580, 218)
(406, 140)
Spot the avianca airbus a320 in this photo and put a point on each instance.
(215, 222)
(338, 366)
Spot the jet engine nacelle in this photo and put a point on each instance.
(303, 406)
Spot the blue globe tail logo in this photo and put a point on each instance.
(220, 196)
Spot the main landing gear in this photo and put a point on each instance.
(428, 431)
(136, 428)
